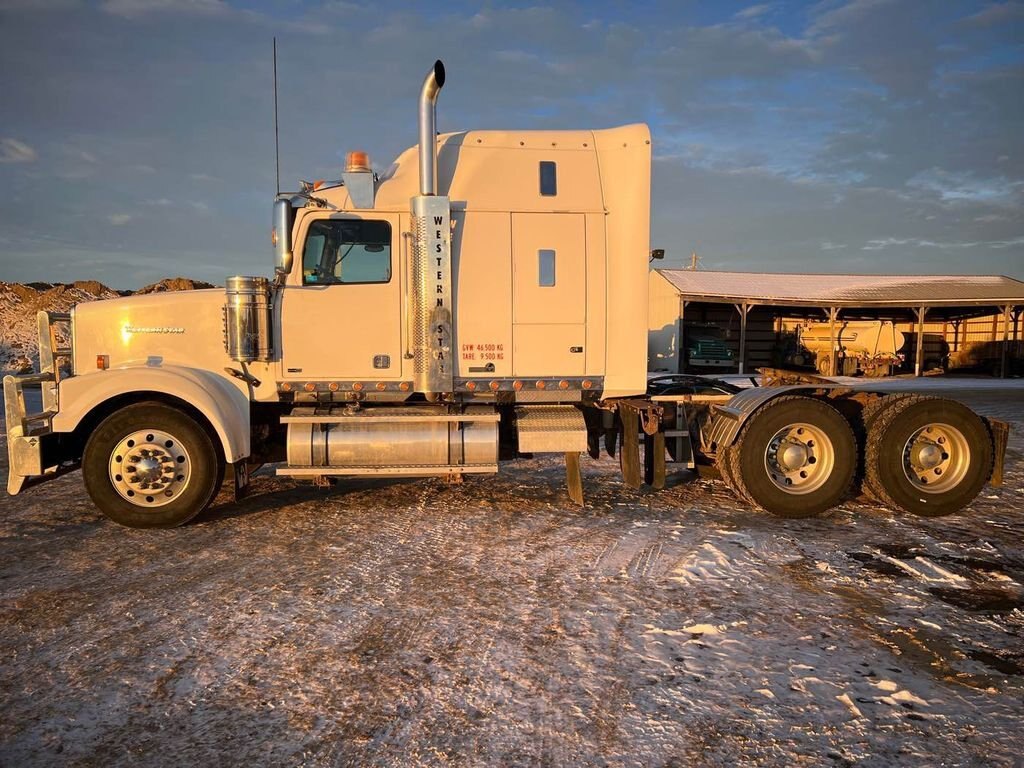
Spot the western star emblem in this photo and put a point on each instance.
(153, 329)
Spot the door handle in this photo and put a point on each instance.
(576, 350)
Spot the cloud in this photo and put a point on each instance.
(779, 133)
(14, 151)
(955, 186)
(916, 242)
(37, 6)
(997, 13)
(754, 11)
(135, 8)
(119, 219)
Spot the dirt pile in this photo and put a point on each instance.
(20, 302)
(175, 284)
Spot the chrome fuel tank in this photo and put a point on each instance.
(389, 437)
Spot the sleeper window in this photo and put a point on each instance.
(548, 179)
(347, 251)
(546, 268)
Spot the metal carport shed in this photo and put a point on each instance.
(915, 298)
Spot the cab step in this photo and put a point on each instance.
(408, 470)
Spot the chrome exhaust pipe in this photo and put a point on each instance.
(432, 85)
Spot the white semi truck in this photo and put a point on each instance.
(484, 297)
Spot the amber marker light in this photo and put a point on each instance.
(310, 386)
(517, 385)
(404, 386)
(541, 385)
(495, 386)
(381, 386)
(563, 384)
(333, 386)
(357, 161)
(587, 383)
(286, 387)
(471, 386)
(357, 386)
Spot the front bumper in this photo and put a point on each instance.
(29, 434)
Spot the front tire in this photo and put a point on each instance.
(149, 465)
(795, 457)
(928, 456)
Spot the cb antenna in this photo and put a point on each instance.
(277, 143)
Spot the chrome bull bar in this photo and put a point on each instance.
(25, 430)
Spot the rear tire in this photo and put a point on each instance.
(927, 455)
(868, 417)
(149, 465)
(795, 457)
(726, 464)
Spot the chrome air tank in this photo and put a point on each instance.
(247, 323)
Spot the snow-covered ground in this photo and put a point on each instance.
(494, 623)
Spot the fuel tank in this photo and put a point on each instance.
(404, 436)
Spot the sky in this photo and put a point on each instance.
(866, 136)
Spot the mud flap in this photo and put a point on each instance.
(634, 414)
(574, 477)
(654, 460)
(611, 428)
(629, 455)
(240, 471)
(1000, 436)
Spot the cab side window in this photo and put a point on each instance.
(340, 251)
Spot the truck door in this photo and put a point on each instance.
(341, 312)
(549, 288)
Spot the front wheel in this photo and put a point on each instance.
(927, 455)
(795, 457)
(151, 466)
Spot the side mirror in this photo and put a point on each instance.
(657, 253)
(281, 235)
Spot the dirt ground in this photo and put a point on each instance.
(494, 623)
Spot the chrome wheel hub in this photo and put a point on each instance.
(150, 468)
(936, 458)
(793, 455)
(799, 458)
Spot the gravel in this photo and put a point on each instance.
(495, 623)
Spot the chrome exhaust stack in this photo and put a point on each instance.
(432, 85)
(430, 326)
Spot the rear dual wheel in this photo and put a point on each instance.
(795, 457)
(926, 455)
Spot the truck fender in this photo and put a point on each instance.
(223, 404)
(728, 419)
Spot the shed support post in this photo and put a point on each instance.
(743, 309)
(919, 352)
(956, 335)
(1006, 342)
(1017, 311)
(681, 338)
(833, 342)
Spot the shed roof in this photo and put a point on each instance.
(847, 290)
